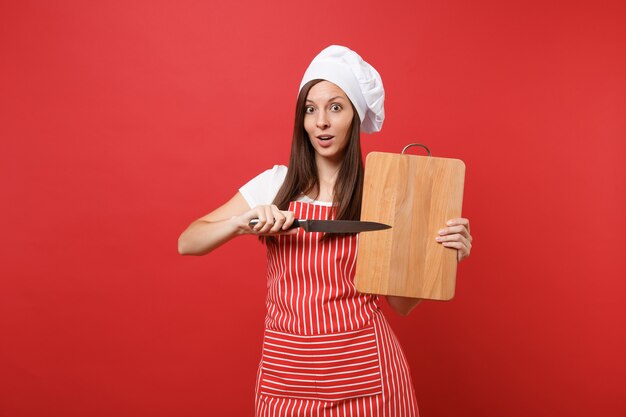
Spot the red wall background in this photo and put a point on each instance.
(123, 121)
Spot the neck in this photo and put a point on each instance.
(327, 172)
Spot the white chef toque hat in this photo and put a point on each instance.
(358, 79)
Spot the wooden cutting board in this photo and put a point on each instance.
(416, 195)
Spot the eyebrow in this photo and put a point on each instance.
(330, 99)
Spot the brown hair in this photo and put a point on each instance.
(302, 173)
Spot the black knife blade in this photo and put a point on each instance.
(335, 226)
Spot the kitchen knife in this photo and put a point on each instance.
(334, 226)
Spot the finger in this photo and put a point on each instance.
(462, 250)
(259, 214)
(279, 219)
(458, 242)
(262, 216)
(289, 218)
(453, 238)
(454, 229)
(269, 219)
(459, 221)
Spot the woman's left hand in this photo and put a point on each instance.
(457, 235)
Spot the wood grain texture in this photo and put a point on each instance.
(416, 195)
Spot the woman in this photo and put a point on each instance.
(327, 349)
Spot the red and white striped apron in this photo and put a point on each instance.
(327, 350)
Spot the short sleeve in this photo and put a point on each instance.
(263, 188)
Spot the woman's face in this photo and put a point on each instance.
(327, 118)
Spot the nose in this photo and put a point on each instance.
(322, 120)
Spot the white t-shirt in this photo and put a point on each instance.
(262, 189)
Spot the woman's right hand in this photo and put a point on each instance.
(271, 220)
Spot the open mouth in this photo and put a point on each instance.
(325, 137)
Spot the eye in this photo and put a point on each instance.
(309, 109)
(335, 107)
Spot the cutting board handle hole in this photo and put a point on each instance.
(416, 144)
